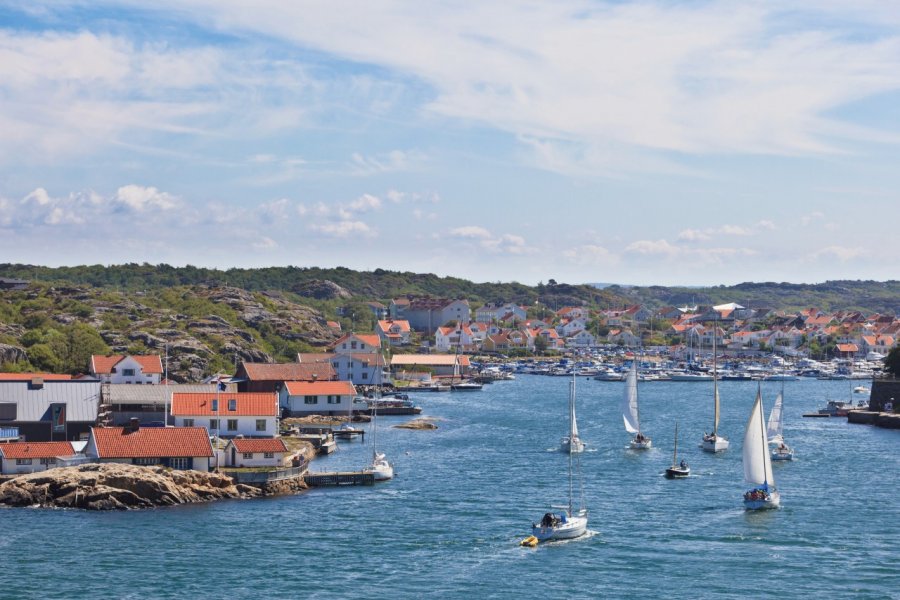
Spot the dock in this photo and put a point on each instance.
(338, 478)
(817, 415)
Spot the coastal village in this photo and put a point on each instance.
(264, 422)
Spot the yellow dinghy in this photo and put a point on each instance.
(531, 541)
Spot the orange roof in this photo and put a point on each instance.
(289, 371)
(259, 445)
(847, 348)
(401, 324)
(367, 338)
(151, 442)
(320, 388)
(30, 376)
(36, 449)
(150, 364)
(246, 404)
(435, 360)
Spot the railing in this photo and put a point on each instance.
(257, 477)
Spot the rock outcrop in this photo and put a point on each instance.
(119, 487)
(11, 354)
(423, 423)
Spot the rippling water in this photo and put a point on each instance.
(464, 495)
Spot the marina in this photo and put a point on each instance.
(466, 495)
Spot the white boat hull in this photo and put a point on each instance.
(716, 444)
(574, 446)
(381, 469)
(573, 527)
(782, 454)
(773, 501)
(645, 444)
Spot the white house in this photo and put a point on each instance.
(30, 457)
(571, 327)
(395, 333)
(251, 414)
(301, 398)
(582, 339)
(173, 447)
(496, 312)
(266, 452)
(357, 343)
(426, 314)
(450, 338)
(360, 368)
(137, 369)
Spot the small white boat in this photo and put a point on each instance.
(678, 470)
(861, 389)
(572, 443)
(381, 468)
(713, 442)
(630, 412)
(757, 463)
(564, 525)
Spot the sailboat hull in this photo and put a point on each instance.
(573, 446)
(782, 454)
(714, 444)
(773, 501)
(644, 444)
(678, 472)
(572, 528)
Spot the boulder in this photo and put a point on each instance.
(11, 354)
(321, 290)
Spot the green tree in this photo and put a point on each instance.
(42, 358)
(540, 344)
(81, 341)
(892, 362)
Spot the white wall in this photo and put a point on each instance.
(297, 405)
(256, 461)
(246, 426)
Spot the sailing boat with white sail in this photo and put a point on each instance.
(713, 442)
(381, 468)
(677, 470)
(572, 443)
(775, 430)
(630, 412)
(757, 463)
(566, 525)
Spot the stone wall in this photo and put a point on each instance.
(884, 390)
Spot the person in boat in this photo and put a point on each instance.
(683, 464)
(639, 437)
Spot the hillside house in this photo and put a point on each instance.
(425, 314)
(137, 369)
(302, 398)
(228, 415)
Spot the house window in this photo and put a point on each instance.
(232, 424)
(232, 404)
(310, 399)
(353, 345)
(48, 461)
(213, 423)
(180, 463)
(260, 424)
(336, 365)
(248, 455)
(188, 422)
(269, 454)
(334, 399)
(128, 372)
(146, 460)
(215, 405)
(365, 375)
(23, 461)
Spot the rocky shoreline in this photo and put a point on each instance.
(119, 487)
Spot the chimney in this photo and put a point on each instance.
(134, 424)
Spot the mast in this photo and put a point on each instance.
(763, 446)
(715, 379)
(675, 451)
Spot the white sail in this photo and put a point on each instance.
(573, 424)
(757, 464)
(774, 428)
(630, 402)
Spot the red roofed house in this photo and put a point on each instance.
(228, 414)
(353, 343)
(127, 369)
(269, 452)
(268, 377)
(301, 398)
(28, 457)
(174, 447)
(396, 333)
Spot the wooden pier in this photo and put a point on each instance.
(340, 478)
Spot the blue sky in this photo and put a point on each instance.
(653, 142)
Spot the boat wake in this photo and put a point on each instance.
(588, 534)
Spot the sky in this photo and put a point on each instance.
(647, 143)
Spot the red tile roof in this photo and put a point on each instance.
(259, 445)
(370, 339)
(247, 404)
(847, 348)
(150, 364)
(30, 376)
(321, 371)
(151, 442)
(320, 388)
(36, 449)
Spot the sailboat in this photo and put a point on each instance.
(713, 442)
(572, 443)
(630, 412)
(381, 468)
(677, 470)
(757, 463)
(566, 525)
(775, 430)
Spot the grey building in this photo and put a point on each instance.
(50, 411)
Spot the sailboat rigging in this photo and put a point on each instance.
(572, 443)
(570, 523)
(757, 463)
(775, 430)
(713, 442)
(381, 468)
(630, 411)
(677, 470)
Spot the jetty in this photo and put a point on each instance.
(878, 419)
(339, 478)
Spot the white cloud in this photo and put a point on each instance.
(693, 235)
(142, 199)
(395, 160)
(766, 225)
(591, 255)
(265, 243)
(734, 230)
(652, 248)
(471, 232)
(344, 229)
(365, 203)
(841, 253)
(813, 216)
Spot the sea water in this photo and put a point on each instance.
(464, 495)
